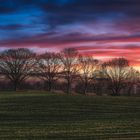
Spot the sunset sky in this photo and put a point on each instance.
(102, 28)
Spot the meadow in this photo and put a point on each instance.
(48, 116)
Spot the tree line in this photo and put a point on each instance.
(67, 70)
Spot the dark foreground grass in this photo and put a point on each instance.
(29, 116)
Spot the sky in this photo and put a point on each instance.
(102, 28)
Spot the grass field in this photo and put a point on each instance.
(34, 116)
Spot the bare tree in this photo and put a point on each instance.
(117, 71)
(88, 69)
(69, 59)
(17, 65)
(49, 68)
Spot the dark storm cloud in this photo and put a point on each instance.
(77, 23)
(124, 13)
(55, 13)
(67, 11)
(87, 10)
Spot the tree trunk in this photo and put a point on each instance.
(15, 85)
(85, 87)
(68, 86)
(116, 92)
(50, 86)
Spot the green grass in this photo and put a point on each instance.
(34, 116)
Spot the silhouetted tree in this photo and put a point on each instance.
(69, 59)
(49, 68)
(117, 71)
(88, 69)
(17, 65)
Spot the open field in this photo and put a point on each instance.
(34, 116)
